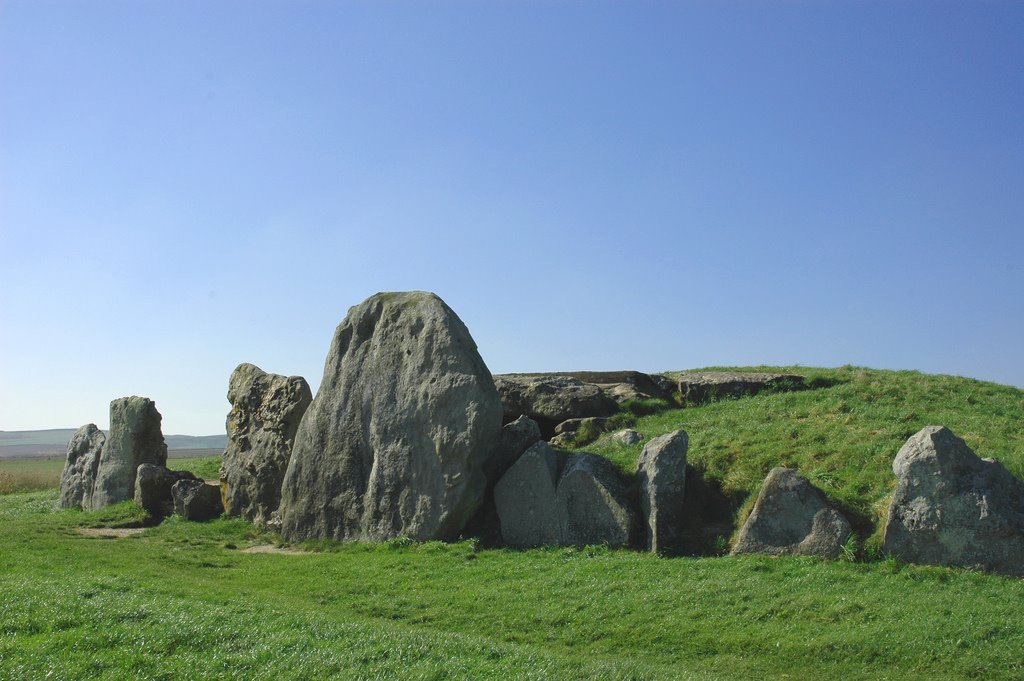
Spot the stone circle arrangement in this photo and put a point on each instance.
(409, 435)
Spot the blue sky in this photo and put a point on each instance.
(185, 186)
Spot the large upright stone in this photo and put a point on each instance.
(265, 414)
(592, 503)
(79, 475)
(792, 517)
(134, 439)
(525, 498)
(953, 508)
(394, 441)
(661, 474)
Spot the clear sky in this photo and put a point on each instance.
(185, 186)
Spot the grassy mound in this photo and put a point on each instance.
(842, 436)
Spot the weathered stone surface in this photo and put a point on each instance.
(591, 424)
(623, 386)
(792, 517)
(661, 474)
(265, 414)
(196, 499)
(79, 474)
(525, 498)
(550, 399)
(953, 508)
(153, 485)
(394, 442)
(627, 437)
(592, 503)
(515, 438)
(699, 387)
(134, 439)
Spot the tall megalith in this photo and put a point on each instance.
(79, 475)
(265, 413)
(394, 442)
(135, 438)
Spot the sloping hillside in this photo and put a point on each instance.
(843, 436)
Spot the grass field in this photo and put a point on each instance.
(31, 475)
(184, 600)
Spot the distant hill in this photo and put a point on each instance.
(29, 444)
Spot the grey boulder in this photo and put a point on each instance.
(196, 499)
(79, 474)
(592, 504)
(153, 486)
(525, 498)
(135, 438)
(661, 475)
(792, 517)
(261, 426)
(516, 438)
(626, 437)
(395, 440)
(953, 508)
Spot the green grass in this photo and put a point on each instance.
(182, 599)
(31, 475)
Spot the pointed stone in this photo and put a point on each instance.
(792, 517)
(952, 508)
(135, 438)
(395, 440)
(525, 498)
(592, 503)
(661, 474)
(79, 475)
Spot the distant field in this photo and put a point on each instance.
(36, 444)
(30, 475)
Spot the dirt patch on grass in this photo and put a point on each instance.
(270, 548)
(109, 532)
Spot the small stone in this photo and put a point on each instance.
(153, 486)
(515, 438)
(792, 517)
(627, 437)
(196, 499)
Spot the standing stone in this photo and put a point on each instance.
(153, 486)
(394, 442)
(661, 473)
(591, 503)
(792, 517)
(196, 499)
(525, 498)
(134, 439)
(79, 475)
(953, 508)
(265, 414)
